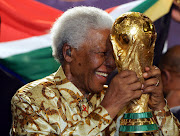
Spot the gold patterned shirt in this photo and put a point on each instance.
(54, 106)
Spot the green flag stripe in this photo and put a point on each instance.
(144, 6)
(32, 65)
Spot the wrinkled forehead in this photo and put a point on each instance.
(98, 36)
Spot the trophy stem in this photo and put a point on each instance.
(138, 117)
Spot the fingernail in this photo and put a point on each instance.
(142, 86)
(147, 68)
(145, 74)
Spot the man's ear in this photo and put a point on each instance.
(67, 52)
(166, 76)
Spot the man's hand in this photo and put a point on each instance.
(153, 86)
(123, 88)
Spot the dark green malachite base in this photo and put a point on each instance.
(138, 128)
(138, 115)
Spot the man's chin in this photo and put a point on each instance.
(97, 90)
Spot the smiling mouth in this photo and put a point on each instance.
(102, 74)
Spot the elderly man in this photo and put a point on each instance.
(73, 100)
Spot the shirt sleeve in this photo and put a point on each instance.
(168, 123)
(29, 119)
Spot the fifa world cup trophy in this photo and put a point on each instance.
(133, 39)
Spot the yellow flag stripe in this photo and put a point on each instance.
(159, 9)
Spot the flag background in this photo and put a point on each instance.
(174, 31)
(25, 42)
(25, 53)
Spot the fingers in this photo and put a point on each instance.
(152, 77)
(136, 94)
(129, 76)
(153, 86)
(151, 82)
(151, 71)
(135, 86)
(127, 84)
(130, 80)
(149, 89)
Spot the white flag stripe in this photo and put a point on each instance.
(11, 48)
(124, 8)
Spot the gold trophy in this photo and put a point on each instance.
(133, 39)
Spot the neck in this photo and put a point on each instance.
(66, 69)
(69, 76)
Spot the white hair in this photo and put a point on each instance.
(73, 26)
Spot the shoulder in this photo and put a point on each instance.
(38, 90)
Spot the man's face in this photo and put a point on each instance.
(92, 62)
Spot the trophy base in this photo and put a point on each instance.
(138, 123)
(139, 128)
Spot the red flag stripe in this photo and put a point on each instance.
(27, 17)
(111, 9)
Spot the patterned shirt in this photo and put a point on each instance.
(54, 106)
